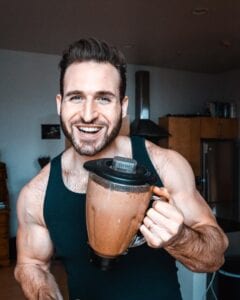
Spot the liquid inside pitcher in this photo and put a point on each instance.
(118, 195)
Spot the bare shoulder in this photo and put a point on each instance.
(171, 166)
(164, 158)
(31, 198)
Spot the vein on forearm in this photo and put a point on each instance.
(200, 249)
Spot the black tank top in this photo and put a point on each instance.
(144, 273)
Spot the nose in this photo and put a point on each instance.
(89, 111)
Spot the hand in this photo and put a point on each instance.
(163, 222)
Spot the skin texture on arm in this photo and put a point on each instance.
(34, 246)
(181, 221)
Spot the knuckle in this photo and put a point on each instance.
(176, 228)
(150, 212)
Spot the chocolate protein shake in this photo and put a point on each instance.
(114, 217)
(118, 195)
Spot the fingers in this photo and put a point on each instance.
(151, 239)
(161, 192)
(165, 209)
(156, 235)
(162, 223)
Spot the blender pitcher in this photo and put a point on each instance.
(118, 194)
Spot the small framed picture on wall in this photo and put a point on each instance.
(51, 131)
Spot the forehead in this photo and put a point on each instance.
(91, 75)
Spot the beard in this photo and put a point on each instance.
(90, 148)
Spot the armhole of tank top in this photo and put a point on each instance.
(56, 169)
(142, 155)
(55, 165)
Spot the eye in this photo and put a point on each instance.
(103, 100)
(76, 98)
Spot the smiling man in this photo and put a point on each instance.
(91, 117)
(51, 207)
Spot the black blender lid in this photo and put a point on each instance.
(121, 170)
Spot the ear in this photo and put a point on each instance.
(59, 103)
(124, 106)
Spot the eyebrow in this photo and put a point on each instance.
(105, 93)
(75, 92)
(98, 93)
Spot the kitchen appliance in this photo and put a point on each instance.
(220, 177)
(118, 194)
(142, 125)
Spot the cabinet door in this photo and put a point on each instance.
(219, 128)
(3, 184)
(4, 241)
(228, 128)
(185, 138)
(210, 128)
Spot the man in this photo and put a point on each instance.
(51, 207)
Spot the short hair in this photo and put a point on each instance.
(92, 49)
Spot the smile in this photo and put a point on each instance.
(89, 129)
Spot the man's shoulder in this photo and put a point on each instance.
(39, 182)
(164, 158)
(34, 191)
(156, 150)
(163, 153)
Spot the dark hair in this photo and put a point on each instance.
(96, 50)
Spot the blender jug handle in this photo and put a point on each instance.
(139, 239)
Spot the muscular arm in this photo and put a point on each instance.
(34, 247)
(184, 224)
(201, 248)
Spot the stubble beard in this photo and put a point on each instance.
(90, 148)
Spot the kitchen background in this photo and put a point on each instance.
(29, 79)
(29, 83)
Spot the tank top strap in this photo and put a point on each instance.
(139, 152)
(55, 176)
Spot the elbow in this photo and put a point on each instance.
(220, 257)
(16, 273)
(19, 273)
(217, 260)
(206, 266)
(214, 261)
(225, 242)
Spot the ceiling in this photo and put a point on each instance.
(197, 35)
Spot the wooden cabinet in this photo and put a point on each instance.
(219, 128)
(186, 134)
(4, 217)
(184, 137)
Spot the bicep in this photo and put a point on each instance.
(179, 180)
(194, 208)
(33, 240)
(33, 244)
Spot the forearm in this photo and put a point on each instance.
(37, 283)
(200, 249)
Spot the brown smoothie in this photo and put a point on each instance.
(113, 217)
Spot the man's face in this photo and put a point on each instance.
(90, 109)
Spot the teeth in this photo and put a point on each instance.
(89, 129)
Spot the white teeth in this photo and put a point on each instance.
(89, 129)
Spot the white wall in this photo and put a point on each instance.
(28, 84)
(175, 92)
(231, 81)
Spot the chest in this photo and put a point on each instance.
(75, 181)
